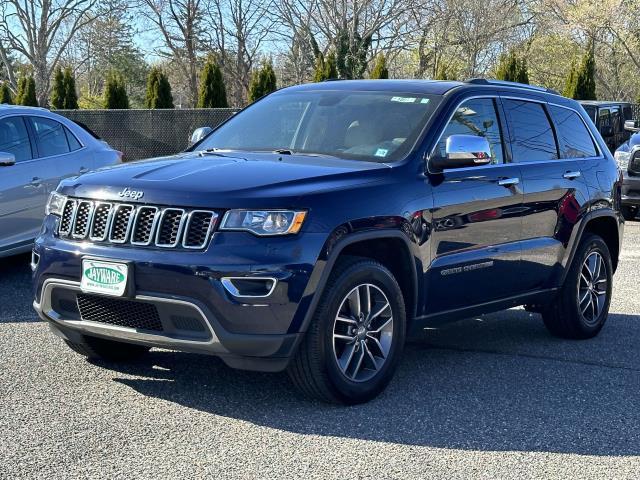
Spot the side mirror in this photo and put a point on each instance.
(463, 151)
(7, 159)
(198, 134)
(632, 125)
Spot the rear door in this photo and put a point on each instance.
(476, 218)
(555, 193)
(60, 153)
(22, 194)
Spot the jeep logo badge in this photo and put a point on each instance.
(133, 194)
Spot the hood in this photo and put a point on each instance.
(229, 180)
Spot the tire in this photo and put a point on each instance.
(579, 311)
(321, 368)
(100, 349)
(629, 212)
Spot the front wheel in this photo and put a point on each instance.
(356, 336)
(582, 306)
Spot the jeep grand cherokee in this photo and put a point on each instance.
(316, 229)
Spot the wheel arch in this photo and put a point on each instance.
(380, 245)
(606, 224)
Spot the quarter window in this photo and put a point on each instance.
(476, 117)
(532, 137)
(51, 138)
(573, 136)
(74, 144)
(14, 138)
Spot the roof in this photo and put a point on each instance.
(415, 86)
(436, 87)
(19, 108)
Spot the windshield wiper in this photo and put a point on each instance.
(283, 151)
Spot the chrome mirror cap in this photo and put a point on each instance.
(198, 134)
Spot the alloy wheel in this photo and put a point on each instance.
(592, 289)
(363, 332)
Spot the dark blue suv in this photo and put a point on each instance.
(316, 229)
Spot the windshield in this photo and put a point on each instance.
(371, 126)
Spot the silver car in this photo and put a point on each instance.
(37, 150)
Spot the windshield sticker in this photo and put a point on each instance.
(382, 152)
(424, 100)
(403, 99)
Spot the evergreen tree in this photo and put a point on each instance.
(158, 90)
(22, 86)
(263, 82)
(5, 94)
(318, 73)
(71, 96)
(115, 92)
(27, 94)
(570, 84)
(445, 71)
(523, 72)
(213, 93)
(58, 90)
(508, 67)
(585, 77)
(512, 68)
(380, 69)
(351, 54)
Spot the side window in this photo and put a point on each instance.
(532, 138)
(14, 138)
(51, 138)
(74, 144)
(604, 119)
(616, 120)
(574, 138)
(476, 117)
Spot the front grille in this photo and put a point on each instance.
(84, 211)
(145, 225)
(120, 312)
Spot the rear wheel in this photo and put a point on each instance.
(356, 336)
(101, 349)
(582, 306)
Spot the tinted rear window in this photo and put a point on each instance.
(532, 137)
(573, 136)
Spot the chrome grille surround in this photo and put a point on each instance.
(139, 225)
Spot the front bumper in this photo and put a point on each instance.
(630, 190)
(185, 288)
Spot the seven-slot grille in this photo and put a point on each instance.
(137, 225)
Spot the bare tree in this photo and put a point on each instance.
(179, 22)
(40, 30)
(239, 30)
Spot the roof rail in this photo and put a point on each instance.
(504, 83)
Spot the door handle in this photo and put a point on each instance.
(83, 170)
(571, 175)
(508, 182)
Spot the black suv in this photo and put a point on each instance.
(610, 118)
(319, 227)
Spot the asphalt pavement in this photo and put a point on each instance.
(489, 397)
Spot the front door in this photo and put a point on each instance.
(477, 222)
(22, 194)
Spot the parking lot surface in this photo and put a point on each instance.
(489, 397)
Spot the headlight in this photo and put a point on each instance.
(264, 222)
(55, 205)
(622, 158)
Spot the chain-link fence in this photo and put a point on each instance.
(635, 109)
(148, 133)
